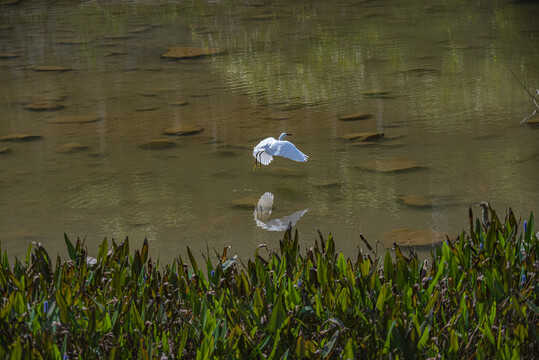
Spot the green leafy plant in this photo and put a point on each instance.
(476, 298)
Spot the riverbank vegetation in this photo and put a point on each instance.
(475, 298)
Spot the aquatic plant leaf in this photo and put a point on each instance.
(278, 316)
(192, 259)
(17, 350)
(107, 324)
(321, 271)
(328, 348)
(388, 266)
(64, 312)
(454, 341)
(144, 251)
(388, 337)
(424, 338)
(70, 248)
(103, 249)
(382, 297)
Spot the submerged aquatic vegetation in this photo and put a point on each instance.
(476, 298)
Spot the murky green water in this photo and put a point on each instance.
(434, 76)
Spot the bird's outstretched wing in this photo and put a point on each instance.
(286, 149)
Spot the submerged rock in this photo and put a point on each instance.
(140, 29)
(362, 136)
(44, 106)
(261, 17)
(392, 165)
(364, 143)
(8, 56)
(533, 122)
(41, 97)
(157, 144)
(70, 148)
(326, 184)
(413, 237)
(118, 37)
(416, 201)
(9, 2)
(115, 53)
(374, 92)
(183, 130)
(147, 108)
(20, 137)
(356, 116)
(52, 68)
(76, 119)
(377, 94)
(186, 52)
(178, 103)
(277, 117)
(288, 107)
(73, 41)
(246, 203)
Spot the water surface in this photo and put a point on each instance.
(434, 76)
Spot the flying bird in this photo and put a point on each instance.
(268, 148)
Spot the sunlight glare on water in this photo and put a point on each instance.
(427, 84)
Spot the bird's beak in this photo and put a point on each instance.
(288, 134)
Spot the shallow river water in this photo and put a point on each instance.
(434, 77)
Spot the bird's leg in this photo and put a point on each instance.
(257, 161)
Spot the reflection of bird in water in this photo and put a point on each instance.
(484, 213)
(263, 212)
(268, 148)
(264, 206)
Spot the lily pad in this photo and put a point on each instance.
(392, 165)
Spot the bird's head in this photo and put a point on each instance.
(283, 135)
(485, 205)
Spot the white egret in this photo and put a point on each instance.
(268, 148)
